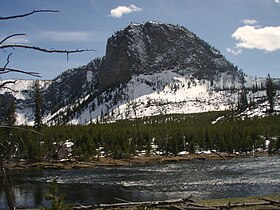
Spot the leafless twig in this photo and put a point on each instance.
(7, 82)
(3, 46)
(19, 128)
(13, 46)
(26, 14)
(8, 61)
(8, 70)
(8, 37)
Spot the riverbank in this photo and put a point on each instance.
(265, 202)
(251, 203)
(132, 161)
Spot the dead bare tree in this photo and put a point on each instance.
(6, 146)
(4, 45)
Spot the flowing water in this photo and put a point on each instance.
(202, 179)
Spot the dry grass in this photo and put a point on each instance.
(232, 201)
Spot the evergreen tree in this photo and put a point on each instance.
(277, 146)
(243, 101)
(270, 92)
(11, 115)
(38, 105)
(57, 201)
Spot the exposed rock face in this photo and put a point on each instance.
(71, 85)
(154, 47)
(116, 65)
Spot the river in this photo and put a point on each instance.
(202, 179)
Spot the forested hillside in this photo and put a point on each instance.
(166, 135)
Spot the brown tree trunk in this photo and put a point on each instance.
(7, 187)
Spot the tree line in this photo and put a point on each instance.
(171, 134)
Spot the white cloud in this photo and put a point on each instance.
(66, 35)
(262, 38)
(234, 51)
(277, 1)
(119, 11)
(249, 21)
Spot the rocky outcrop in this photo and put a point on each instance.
(154, 47)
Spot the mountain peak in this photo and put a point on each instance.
(155, 47)
(155, 24)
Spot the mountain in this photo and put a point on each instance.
(148, 69)
(154, 47)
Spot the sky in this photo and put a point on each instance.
(246, 32)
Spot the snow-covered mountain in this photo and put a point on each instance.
(148, 69)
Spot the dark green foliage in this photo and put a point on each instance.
(270, 92)
(171, 133)
(11, 118)
(7, 111)
(277, 144)
(243, 101)
(38, 102)
(57, 201)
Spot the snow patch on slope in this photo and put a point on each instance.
(262, 110)
(21, 88)
(161, 93)
(22, 91)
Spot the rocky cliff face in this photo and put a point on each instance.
(152, 68)
(154, 47)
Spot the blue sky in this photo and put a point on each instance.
(247, 32)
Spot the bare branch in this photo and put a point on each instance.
(26, 14)
(8, 37)
(8, 61)
(19, 128)
(10, 89)
(44, 49)
(7, 82)
(7, 70)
